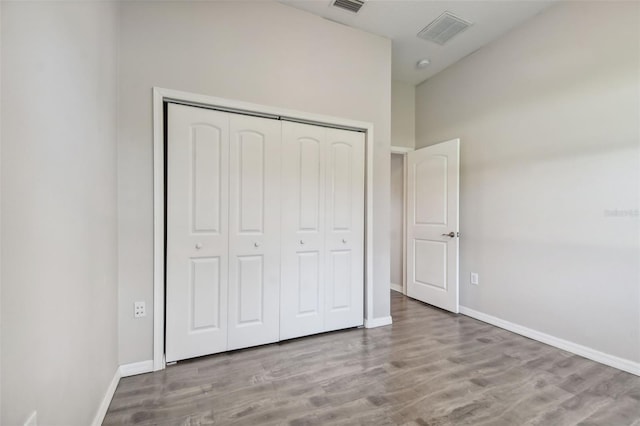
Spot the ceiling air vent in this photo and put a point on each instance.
(350, 5)
(444, 28)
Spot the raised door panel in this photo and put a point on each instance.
(340, 280)
(303, 188)
(250, 291)
(308, 284)
(254, 231)
(429, 264)
(197, 156)
(204, 294)
(344, 237)
(430, 183)
(249, 171)
(309, 179)
(341, 190)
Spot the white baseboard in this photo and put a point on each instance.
(134, 368)
(396, 287)
(122, 371)
(377, 322)
(592, 354)
(108, 396)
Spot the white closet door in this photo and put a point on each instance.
(303, 204)
(254, 231)
(344, 229)
(197, 239)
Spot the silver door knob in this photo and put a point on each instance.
(301, 242)
(344, 241)
(450, 234)
(256, 244)
(198, 246)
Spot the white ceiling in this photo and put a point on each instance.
(401, 20)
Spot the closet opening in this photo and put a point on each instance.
(162, 99)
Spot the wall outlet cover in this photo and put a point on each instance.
(139, 310)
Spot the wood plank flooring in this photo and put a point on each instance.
(429, 368)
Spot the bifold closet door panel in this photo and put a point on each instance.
(254, 231)
(303, 204)
(197, 232)
(344, 229)
(265, 231)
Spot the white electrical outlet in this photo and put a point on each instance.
(139, 310)
(474, 278)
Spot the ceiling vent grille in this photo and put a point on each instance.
(350, 5)
(444, 28)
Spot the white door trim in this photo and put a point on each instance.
(400, 149)
(404, 222)
(159, 96)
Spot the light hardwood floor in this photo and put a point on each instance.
(429, 368)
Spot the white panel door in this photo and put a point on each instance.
(197, 239)
(432, 224)
(254, 231)
(303, 252)
(344, 229)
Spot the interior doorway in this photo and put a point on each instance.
(397, 216)
(424, 223)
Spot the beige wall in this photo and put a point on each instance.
(0, 214)
(548, 118)
(260, 52)
(59, 271)
(403, 114)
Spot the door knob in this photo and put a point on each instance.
(450, 234)
(256, 244)
(198, 246)
(301, 242)
(344, 241)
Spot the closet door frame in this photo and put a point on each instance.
(160, 97)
